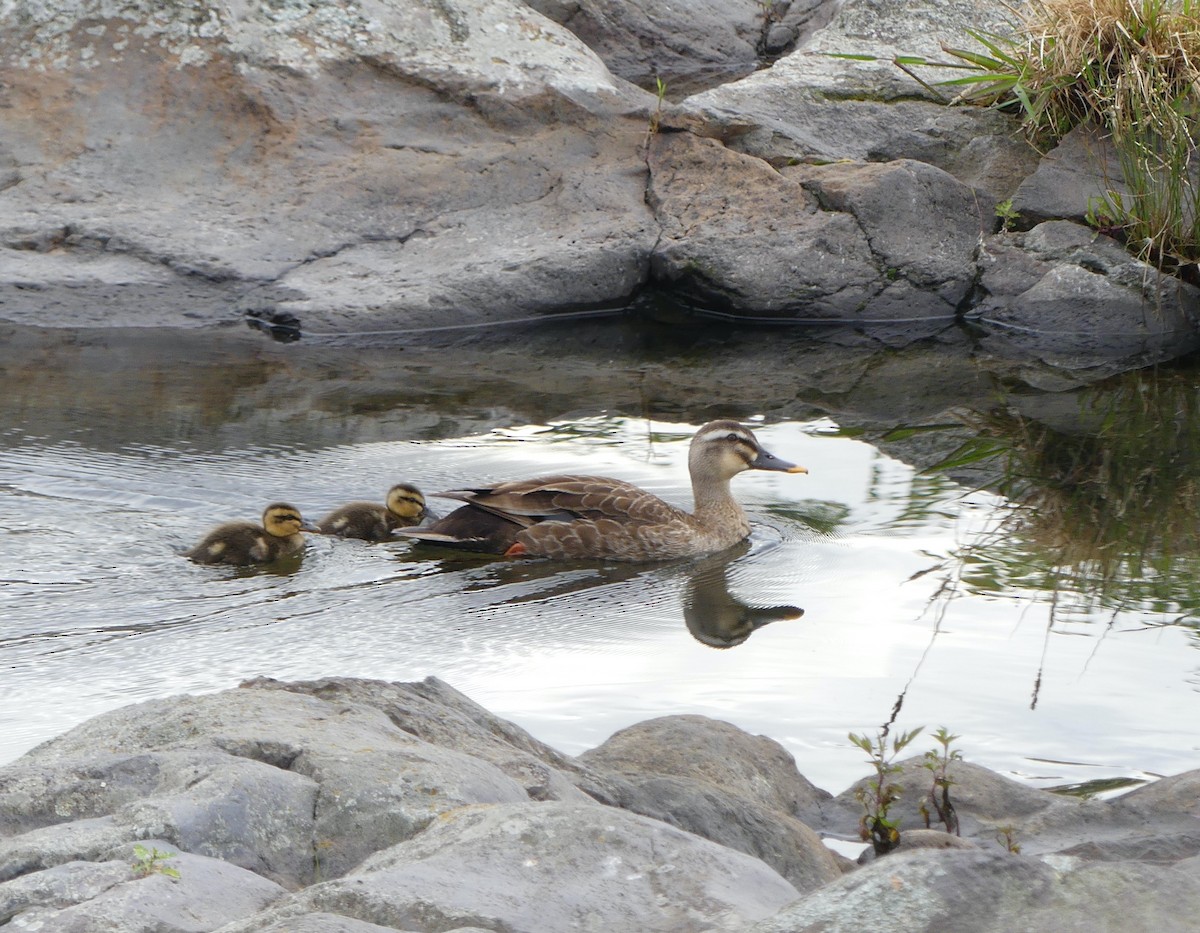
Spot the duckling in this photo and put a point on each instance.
(570, 517)
(245, 543)
(404, 507)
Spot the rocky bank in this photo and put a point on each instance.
(348, 806)
(368, 166)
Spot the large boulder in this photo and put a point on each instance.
(277, 782)
(354, 159)
(719, 782)
(550, 866)
(840, 97)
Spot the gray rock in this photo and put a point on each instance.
(1070, 179)
(366, 800)
(734, 231)
(431, 163)
(892, 242)
(930, 890)
(548, 866)
(813, 106)
(923, 227)
(717, 781)
(100, 898)
(264, 155)
(1068, 297)
(434, 711)
(715, 752)
(68, 883)
(303, 788)
(639, 40)
(782, 841)
(332, 923)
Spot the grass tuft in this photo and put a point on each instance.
(1129, 67)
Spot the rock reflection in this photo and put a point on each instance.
(1104, 490)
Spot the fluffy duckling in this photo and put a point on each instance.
(571, 517)
(245, 543)
(403, 508)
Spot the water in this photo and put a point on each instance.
(120, 450)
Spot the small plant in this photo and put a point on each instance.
(881, 792)
(150, 861)
(1005, 836)
(1007, 214)
(656, 114)
(938, 764)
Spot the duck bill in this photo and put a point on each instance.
(768, 461)
(309, 526)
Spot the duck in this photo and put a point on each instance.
(245, 543)
(580, 517)
(370, 521)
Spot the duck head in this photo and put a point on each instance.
(283, 520)
(726, 448)
(406, 501)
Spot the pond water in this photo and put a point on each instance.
(1059, 655)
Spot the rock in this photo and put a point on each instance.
(332, 923)
(716, 781)
(1070, 179)
(923, 227)
(467, 162)
(972, 891)
(878, 243)
(738, 235)
(1064, 296)
(434, 711)
(813, 106)
(259, 153)
(715, 752)
(548, 866)
(780, 840)
(350, 806)
(640, 41)
(277, 782)
(206, 894)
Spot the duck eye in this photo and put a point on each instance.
(732, 437)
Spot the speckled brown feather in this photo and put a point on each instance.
(599, 517)
(574, 517)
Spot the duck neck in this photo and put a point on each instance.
(714, 503)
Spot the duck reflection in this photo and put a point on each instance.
(716, 617)
(711, 612)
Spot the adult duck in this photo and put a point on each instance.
(571, 517)
(371, 521)
(245, 543)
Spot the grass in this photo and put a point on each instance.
(1130, 68)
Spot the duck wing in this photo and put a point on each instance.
(566, 498)
(594, 511)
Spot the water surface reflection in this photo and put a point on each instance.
(964, 604)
